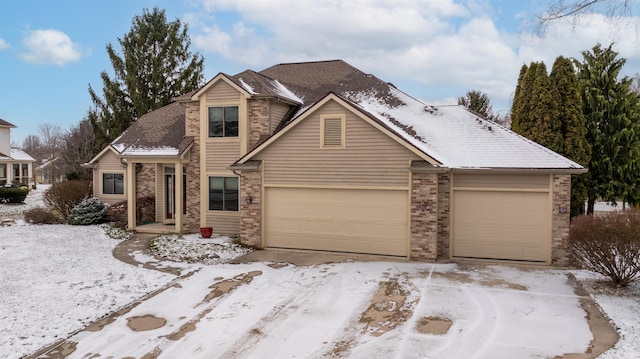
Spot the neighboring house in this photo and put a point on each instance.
(16, 166)
(49, 171)
(322, 156)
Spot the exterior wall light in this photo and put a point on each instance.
(423, 206)
(562, 210)
(248, 199)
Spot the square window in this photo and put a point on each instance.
(112, 183)
(223, 121)
(223, 193)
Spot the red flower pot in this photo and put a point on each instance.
(206, 232)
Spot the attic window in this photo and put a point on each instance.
(332, 131)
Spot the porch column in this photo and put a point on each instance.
(130, 180)
(178, 194)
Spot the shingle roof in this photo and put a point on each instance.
(159, 132)
(452, 135)
(4, 123)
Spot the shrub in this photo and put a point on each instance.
(13, 195)
(40, 215)
(62, 197)
(89, 211)
(608, 244)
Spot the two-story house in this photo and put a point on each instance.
(322, 156)
(16, 166)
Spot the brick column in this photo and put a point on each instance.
(192, 218)
(560, 221)
(424, 217)
(259, 116)
(251, 213)
(444, 203)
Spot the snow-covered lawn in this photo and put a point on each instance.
(57, 279)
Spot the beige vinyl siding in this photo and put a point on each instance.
(224, 223)
(221, 154)
(501, 181)
(108, 163)
(370, 158)
(221, 92)
(278, 111)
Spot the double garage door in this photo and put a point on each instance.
(370, 221)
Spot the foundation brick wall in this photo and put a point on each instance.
(259, 111)
(192, 122)
(251, 214)
(561, 221)
(444, 203)
(424, 224)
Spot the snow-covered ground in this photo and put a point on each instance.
(57, 279)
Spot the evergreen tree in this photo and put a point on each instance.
(573, 128)
(612, 113)
(156, 66)
(478, 102)
(543, 124)
(517, 100)
(521, 124)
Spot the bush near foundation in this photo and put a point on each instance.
(90, 211)
(13, 195)
(41, 215)
(62, 197)
(608, 244)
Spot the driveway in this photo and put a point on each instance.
(350, 309)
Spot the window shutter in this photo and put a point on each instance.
(333, 132)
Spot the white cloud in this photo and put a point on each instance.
(445, 47)
(3, 44)
(50, 47)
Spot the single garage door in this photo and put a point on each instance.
(501, 225)
(343, 220)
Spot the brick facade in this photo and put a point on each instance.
(560, 221)
(259, 117)
(251, 213)
(146, 180)
(192, 122)
(444, 223)
(424, 217)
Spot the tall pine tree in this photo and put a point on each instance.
(612, 113)
(478, 102)
(543, 122)
(573, 128)
(156, 66)
(518, 99)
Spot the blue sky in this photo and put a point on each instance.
(435, 50)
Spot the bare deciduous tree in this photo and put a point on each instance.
(51, 138)
(77, 148)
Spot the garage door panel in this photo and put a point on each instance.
(360, 221)
(500, 225)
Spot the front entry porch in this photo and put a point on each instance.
(156, 228)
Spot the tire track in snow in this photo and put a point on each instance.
(286, 318)
(474, 342)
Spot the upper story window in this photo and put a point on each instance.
(332, 132)
(223, 121)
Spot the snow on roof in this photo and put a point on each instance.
(456, 137)
(283, 91)
(19, 155)
(151, 151)
(247, 87)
